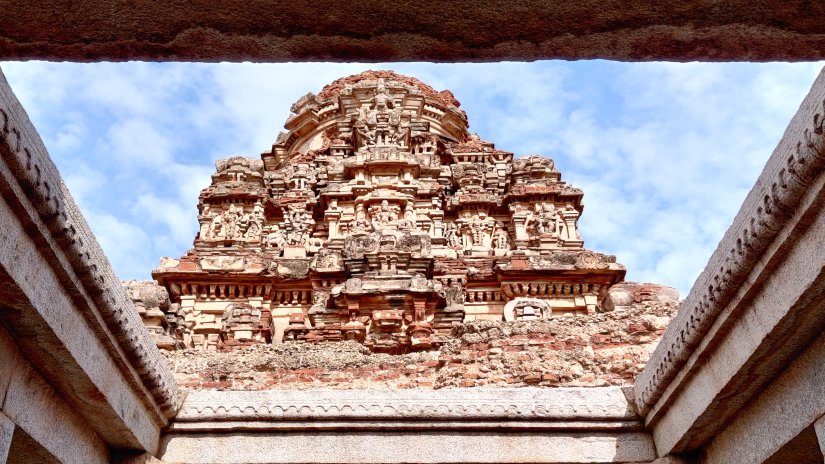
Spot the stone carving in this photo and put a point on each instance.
(379, 218)
(454, 403)
(527, 309)
(243, 324)
(152, 304)
(768, 206)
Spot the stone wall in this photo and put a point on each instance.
(595, 350)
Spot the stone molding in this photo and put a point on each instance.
(772, 202)
(78, 252)
(600, 403)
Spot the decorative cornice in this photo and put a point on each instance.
(76, 245)
(796, 162)
(605, 403)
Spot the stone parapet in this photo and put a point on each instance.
(528, 404)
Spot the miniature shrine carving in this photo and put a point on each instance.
(377, 217)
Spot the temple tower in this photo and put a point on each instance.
(379, 217)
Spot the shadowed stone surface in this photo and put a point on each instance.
(373, 30)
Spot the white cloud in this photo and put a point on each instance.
(665, 152)
(124, 243)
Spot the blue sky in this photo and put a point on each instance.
(665, 152)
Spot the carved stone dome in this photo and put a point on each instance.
(334, 116)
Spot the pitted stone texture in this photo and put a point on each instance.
(6, 433)
(47, 422)
(373, 30)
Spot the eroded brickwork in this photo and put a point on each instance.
(601, 349)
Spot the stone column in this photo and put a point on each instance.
(332, 218)
(571, 233)
(520, 228)
(187, 306)
(6, 433)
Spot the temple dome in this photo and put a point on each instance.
(443, 97)
(334, 116)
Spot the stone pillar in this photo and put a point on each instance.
(520, 227)
(332, 218)
(6, 433)
(571, 232)
(187, 306)
(280, 319)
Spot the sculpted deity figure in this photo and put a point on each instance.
(243, 223)
(384, 216)
(502, 241)
(275, 239)
(366, 136)
(216, 229)
(480, 230)
(382, 99)
(545, 218)
(453, 239)
(230, 219)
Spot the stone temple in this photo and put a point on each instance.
(378, 217)
(383, 286)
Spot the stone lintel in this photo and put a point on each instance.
(577, 424)
(788, 408)
(446, 446)
(756, 306)
(64, 306)
(373, 30)
(44, 427)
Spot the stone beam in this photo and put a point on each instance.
(377, 30)
(63, 305)
(567, 425)
(44, 427)
(787, 409)
(756, 308)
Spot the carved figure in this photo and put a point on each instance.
(527, 309)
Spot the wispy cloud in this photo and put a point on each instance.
(665, 152)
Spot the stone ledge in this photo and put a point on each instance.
(423, 447)
(604, 403)
(410, 426)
